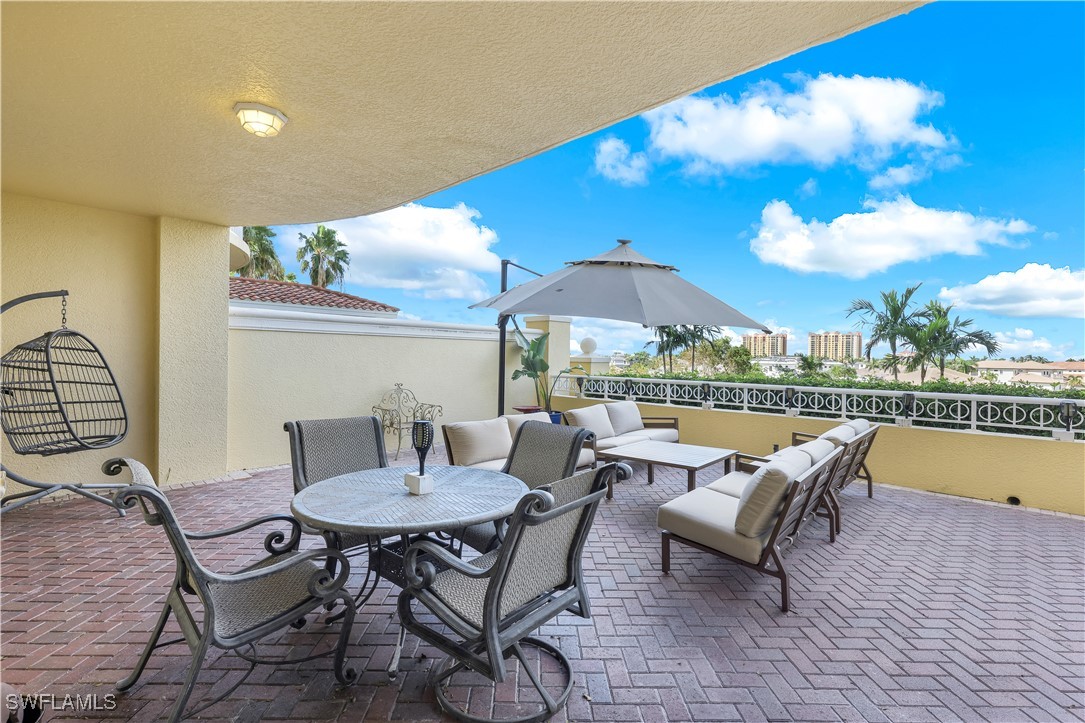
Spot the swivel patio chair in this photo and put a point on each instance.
(492, 604)
(542, 453)
(240, 608)
(325, 448)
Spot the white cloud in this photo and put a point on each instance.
(1020, 342)
(1032, 290)
(826, 120)
(610, 335)
(897, 176)
(887, 233)
(1050, 236)
(614, 160)
(430, 252)
(808, 189)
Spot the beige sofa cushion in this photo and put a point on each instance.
(594, 418)
(515, 421)
(494, 464)
(621, 439)
(817, 449)
(708, 517)
(660, 434)
(624, 417)
(586, 458)
(793, 460)
(859, 425)
(838, 435)
(731, 484)
(483, 441)
(760, 501)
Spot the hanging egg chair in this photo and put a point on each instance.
(57, 395)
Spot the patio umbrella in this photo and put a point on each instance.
(620, 284)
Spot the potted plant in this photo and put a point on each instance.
(534, 366)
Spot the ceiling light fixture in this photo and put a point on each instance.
(260, 120)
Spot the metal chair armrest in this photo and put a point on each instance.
(660, 422)
(318, 555)
(421, 574)
(800, 437)
(749, 462)
(276, 542)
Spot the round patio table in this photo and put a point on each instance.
(376, 503)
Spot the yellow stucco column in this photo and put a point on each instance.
(193, 301)
(557, 346)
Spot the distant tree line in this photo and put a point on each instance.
(322, 255)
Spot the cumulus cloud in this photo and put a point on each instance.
(886, 233)
(609, 335)
(1032, 290)
(435, 253)
(614, 160)
(897, 176)
(808, 189)
(1020, 342)
(826, 120)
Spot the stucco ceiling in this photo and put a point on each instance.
(128, 106)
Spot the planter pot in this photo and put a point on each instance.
(528, 409)
(555, 417)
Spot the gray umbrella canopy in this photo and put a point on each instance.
(620, 284)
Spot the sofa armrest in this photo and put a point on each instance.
(749, 463)
(660, 422)
(798, 438)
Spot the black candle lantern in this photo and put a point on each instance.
(422, 438)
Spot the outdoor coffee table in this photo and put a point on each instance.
(690, 457)
(377, 504)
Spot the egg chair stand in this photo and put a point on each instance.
(58, 396)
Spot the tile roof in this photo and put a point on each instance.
(289, 292)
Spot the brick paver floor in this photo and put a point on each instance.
(928, 608)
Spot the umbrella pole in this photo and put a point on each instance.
(502, 336)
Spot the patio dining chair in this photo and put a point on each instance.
(324, 448)
(241, 608)
(494, 603)
(542, 453)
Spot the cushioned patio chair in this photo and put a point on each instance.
(542, 453)
(753, 530)
(617, 423)
(487, 443)
(856, 437)
(325, 448)
(491, 605)
(240, 608)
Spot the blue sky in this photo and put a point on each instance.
(944, 147)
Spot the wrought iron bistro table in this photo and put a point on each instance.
(376, 503)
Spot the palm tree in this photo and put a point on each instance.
(668, 338)
(956, 336)
(264, 262)
(888, 323)
(928, 344)
(810, 365)
(694, 336)
(324, 256)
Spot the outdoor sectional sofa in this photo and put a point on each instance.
(750, 515)
(487, 443)
(619, 423)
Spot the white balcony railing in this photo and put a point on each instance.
(1034, 416)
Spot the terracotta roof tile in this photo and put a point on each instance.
(288, 292)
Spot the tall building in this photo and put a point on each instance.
(765, 344)
(837, 345)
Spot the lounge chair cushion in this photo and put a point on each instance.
(731, 484)
(482, 441)
(838, 435)
(817, 449)
(760, 502)
(624, 417)
(660, 434)
(859, 425)
(515, 421)
(621, 440)
(594, 418)
(794, 460)
(708, 518)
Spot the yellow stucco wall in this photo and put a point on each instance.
(193, 303)
(276, 376)
(1041, 472)
(109, 263)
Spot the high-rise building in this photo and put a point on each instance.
(837, 345)
(765, 344)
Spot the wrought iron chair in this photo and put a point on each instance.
(493, 603)
(239, 608)
(325, 448)
(399, 409)
(542, 453)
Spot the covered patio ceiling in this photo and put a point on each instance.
(128, 106)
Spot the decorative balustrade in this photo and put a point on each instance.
(1035, 416)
